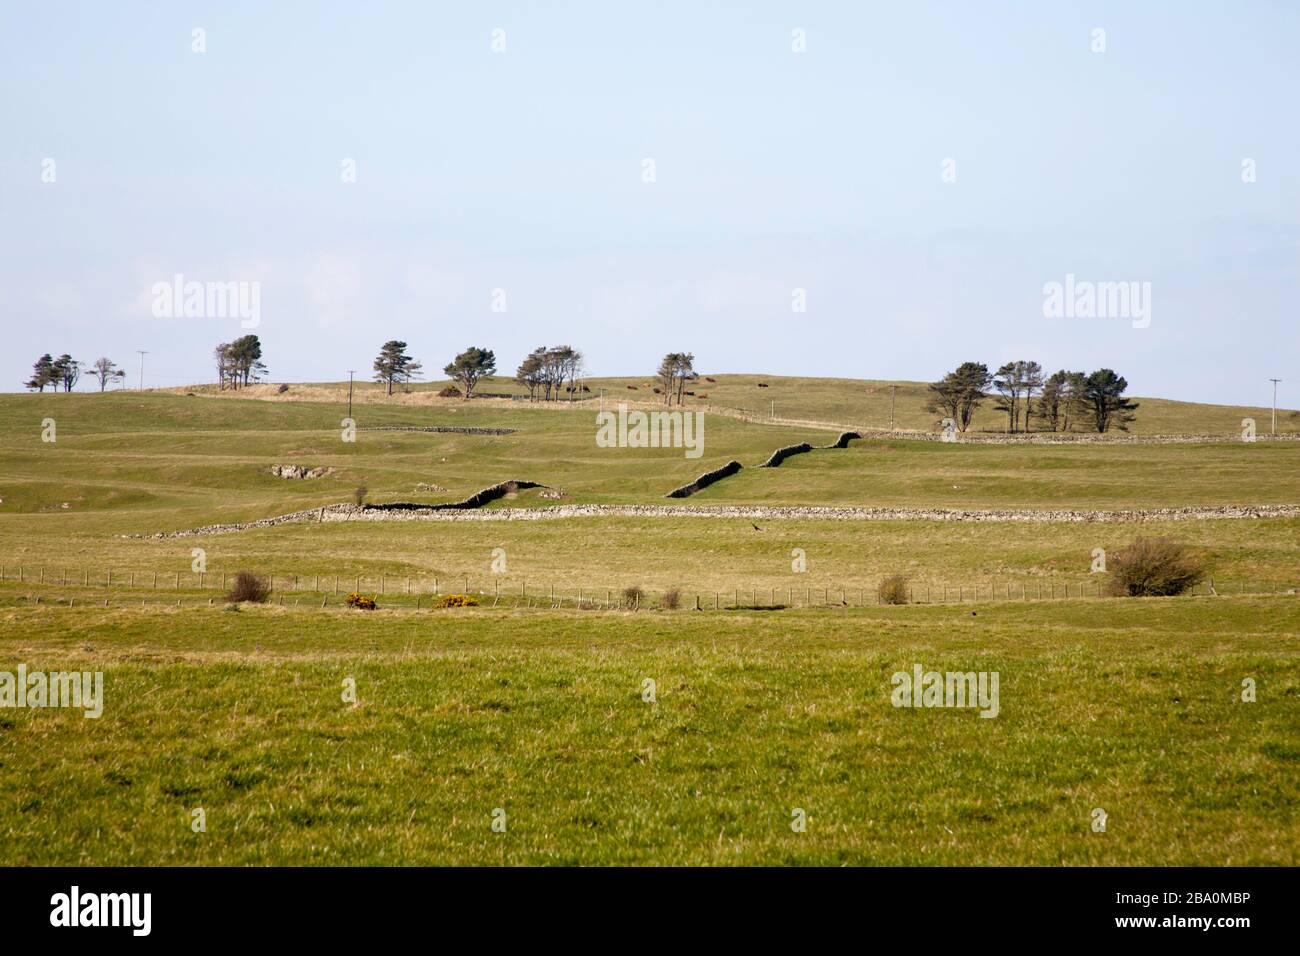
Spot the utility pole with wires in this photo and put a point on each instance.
(142, 355)
(351, 372)
(1275, 381)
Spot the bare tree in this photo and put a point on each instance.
(106, 371)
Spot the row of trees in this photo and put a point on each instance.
(1064, 399)
(239, 363)
(546, 369)
(393, 366)
(676, 369)
(66, 371)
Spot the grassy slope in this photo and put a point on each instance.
(173, 456)
(1132, 708)
(857, 402)
(128, 463)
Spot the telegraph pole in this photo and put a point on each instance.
(351, 372)
(1275, 381)
(142, 355)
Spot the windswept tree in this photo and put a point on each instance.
(675, 370)
(1062, 399)
(225, 364)
(106, 371)
(42, 374)
(393, 366)
(568, 366)
(532, 372)
(1107, 406)
(239, 363)
(1014, 380)
(1076, 402)
(545, 371)
(1031, 378)
(960, 392)
(1051, 404)
(247, 352)
(468, 367)
(66, 371)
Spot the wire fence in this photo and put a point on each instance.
(503, 590)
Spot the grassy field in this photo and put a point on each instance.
(697, 556)
(129, 463)
(1132, 706)
(1132, 709)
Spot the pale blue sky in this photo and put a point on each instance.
(522, 171)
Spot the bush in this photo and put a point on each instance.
(451, 391)
(456, 600)
(1154, 567)
(892, 590)
(249, 587)
(671, 600)
(282, 389)
(359, 495)
(362, 602)
(633, 597)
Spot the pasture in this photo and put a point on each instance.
(1133, 706)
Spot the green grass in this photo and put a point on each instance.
(698, 556)
(1128, 705)
(129, 463)
(1131, 706)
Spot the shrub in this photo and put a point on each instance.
(362, 602)
(359, 495)
(671, 600)
(249, 587)
(633, 596)
(1154, 567)
(456, 600)
(451, 391)
(282, 389)
(893, 589)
